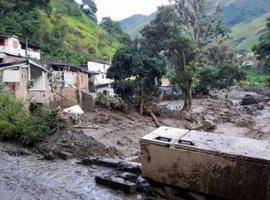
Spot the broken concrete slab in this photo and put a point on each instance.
(118, 183)
(74, 110)
(125, 166)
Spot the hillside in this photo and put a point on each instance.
(246, 34)
(132, 21)
(235, 12)
(133, 29)
(61, 28)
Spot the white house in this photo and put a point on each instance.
(13, 46)
(101, 82)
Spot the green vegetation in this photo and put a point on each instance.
(131, 21)
(111, 103)
(256, 78)
(245, 17)
(180, 33)
(115, 30)
(62, 30)
(262, 49)
(222, 77)
(244, 10)
(19, 125)
(137, 72)
(134, 29)
(247, 34)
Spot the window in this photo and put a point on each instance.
(2, 42)
(1, 60)
(15, 44)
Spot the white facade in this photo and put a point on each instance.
(101, 69)
(11, 45)
(107, 89)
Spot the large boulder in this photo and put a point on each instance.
(209, 125)
(251, 99)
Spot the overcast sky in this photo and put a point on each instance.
(121, 9)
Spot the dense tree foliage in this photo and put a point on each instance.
(62, 29)
(182, 31)
(90, 8)
(21, 18)
(137, 72)
(263, 48)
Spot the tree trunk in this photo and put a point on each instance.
(188, 89)
(188, 98)
(141, 107)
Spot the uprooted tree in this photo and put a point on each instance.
(137, 72)
(181, 31)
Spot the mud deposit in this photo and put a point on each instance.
(28, 178)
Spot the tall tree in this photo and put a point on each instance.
(137, 72)
(182, 31)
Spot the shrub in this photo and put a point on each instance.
(28, 129)
(256, 78)
(53, 119)
(111, 103)
(223, 77)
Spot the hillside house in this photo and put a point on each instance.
(21, 72)
(27, 80)
(71, 83)
(12, 48)
(101, 82)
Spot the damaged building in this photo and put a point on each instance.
(21, 72)
(70, 84)
(49, 83)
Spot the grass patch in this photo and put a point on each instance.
(256, 78)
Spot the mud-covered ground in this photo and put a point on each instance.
(25, 176)
(27, 173)
(116, 135)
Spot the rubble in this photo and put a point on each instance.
(118, 183)
(74, 110)
(75, 144)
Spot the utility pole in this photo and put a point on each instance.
(26, 47)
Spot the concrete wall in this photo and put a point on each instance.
(13, 46)
(9, 58)
(68, 97)
(102, 69)
(83, 82)
(87, 102)
(38, 78)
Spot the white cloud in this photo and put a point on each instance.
(120, 9)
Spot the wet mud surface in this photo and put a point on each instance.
(28, 178)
